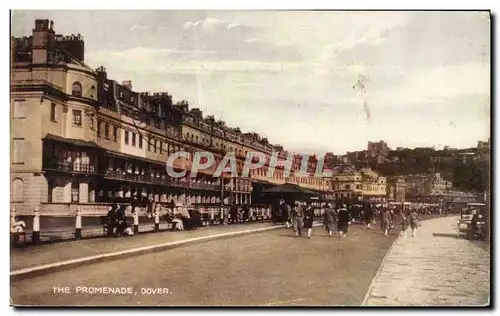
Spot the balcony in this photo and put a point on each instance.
(67, 166)
(151, 179)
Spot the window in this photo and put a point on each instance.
(75, 192)
(126, 137)
(19, 109)
(52, 112)
(133, 139)
(161, 147)
(17, 190)
(347, 187)
(149, 143)
(76, 89)
(106, 130)
(155, 144)
(77, 118)
(92, 124)
(99, 128)
(115, 133)
(18, 156)
(140, 141)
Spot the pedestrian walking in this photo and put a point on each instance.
(298, 214)
(292, 216)
(308, 219)
(234, 213)
(384, 221)
(368, 215)
(284, 213)
(329, 219)
(343, 221)
(404, 223)
(413, 219)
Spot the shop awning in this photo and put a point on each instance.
(289, 188)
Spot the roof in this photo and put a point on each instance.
(288, 188)
(343, 168)
(71, 141)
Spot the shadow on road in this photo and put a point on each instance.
(291, 236)
(448, 235)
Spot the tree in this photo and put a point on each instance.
(471, 176)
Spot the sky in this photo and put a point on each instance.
(312, 81)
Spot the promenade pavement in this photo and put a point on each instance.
(436, 268)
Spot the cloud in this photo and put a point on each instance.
(233, 25)
(209, 25)
(147, 60)
(438, 83)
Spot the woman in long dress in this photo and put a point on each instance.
(308, 219)
(368, 215)
(343, 222)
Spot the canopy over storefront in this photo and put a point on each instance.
(290, 191)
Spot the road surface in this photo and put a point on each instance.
(274, 268)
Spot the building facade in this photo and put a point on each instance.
(79, 137)
(375, 149)
(349, 184)
(421, 185)
(396, 189)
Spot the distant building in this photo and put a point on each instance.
(396, 190)
(467, 156)
(436, 184)
(377, 149)
(426, 184)
(415, 185)
(349, 184)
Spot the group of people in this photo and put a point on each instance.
(182, 218)
(116, 221)
(301, 216)
(238, 215)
